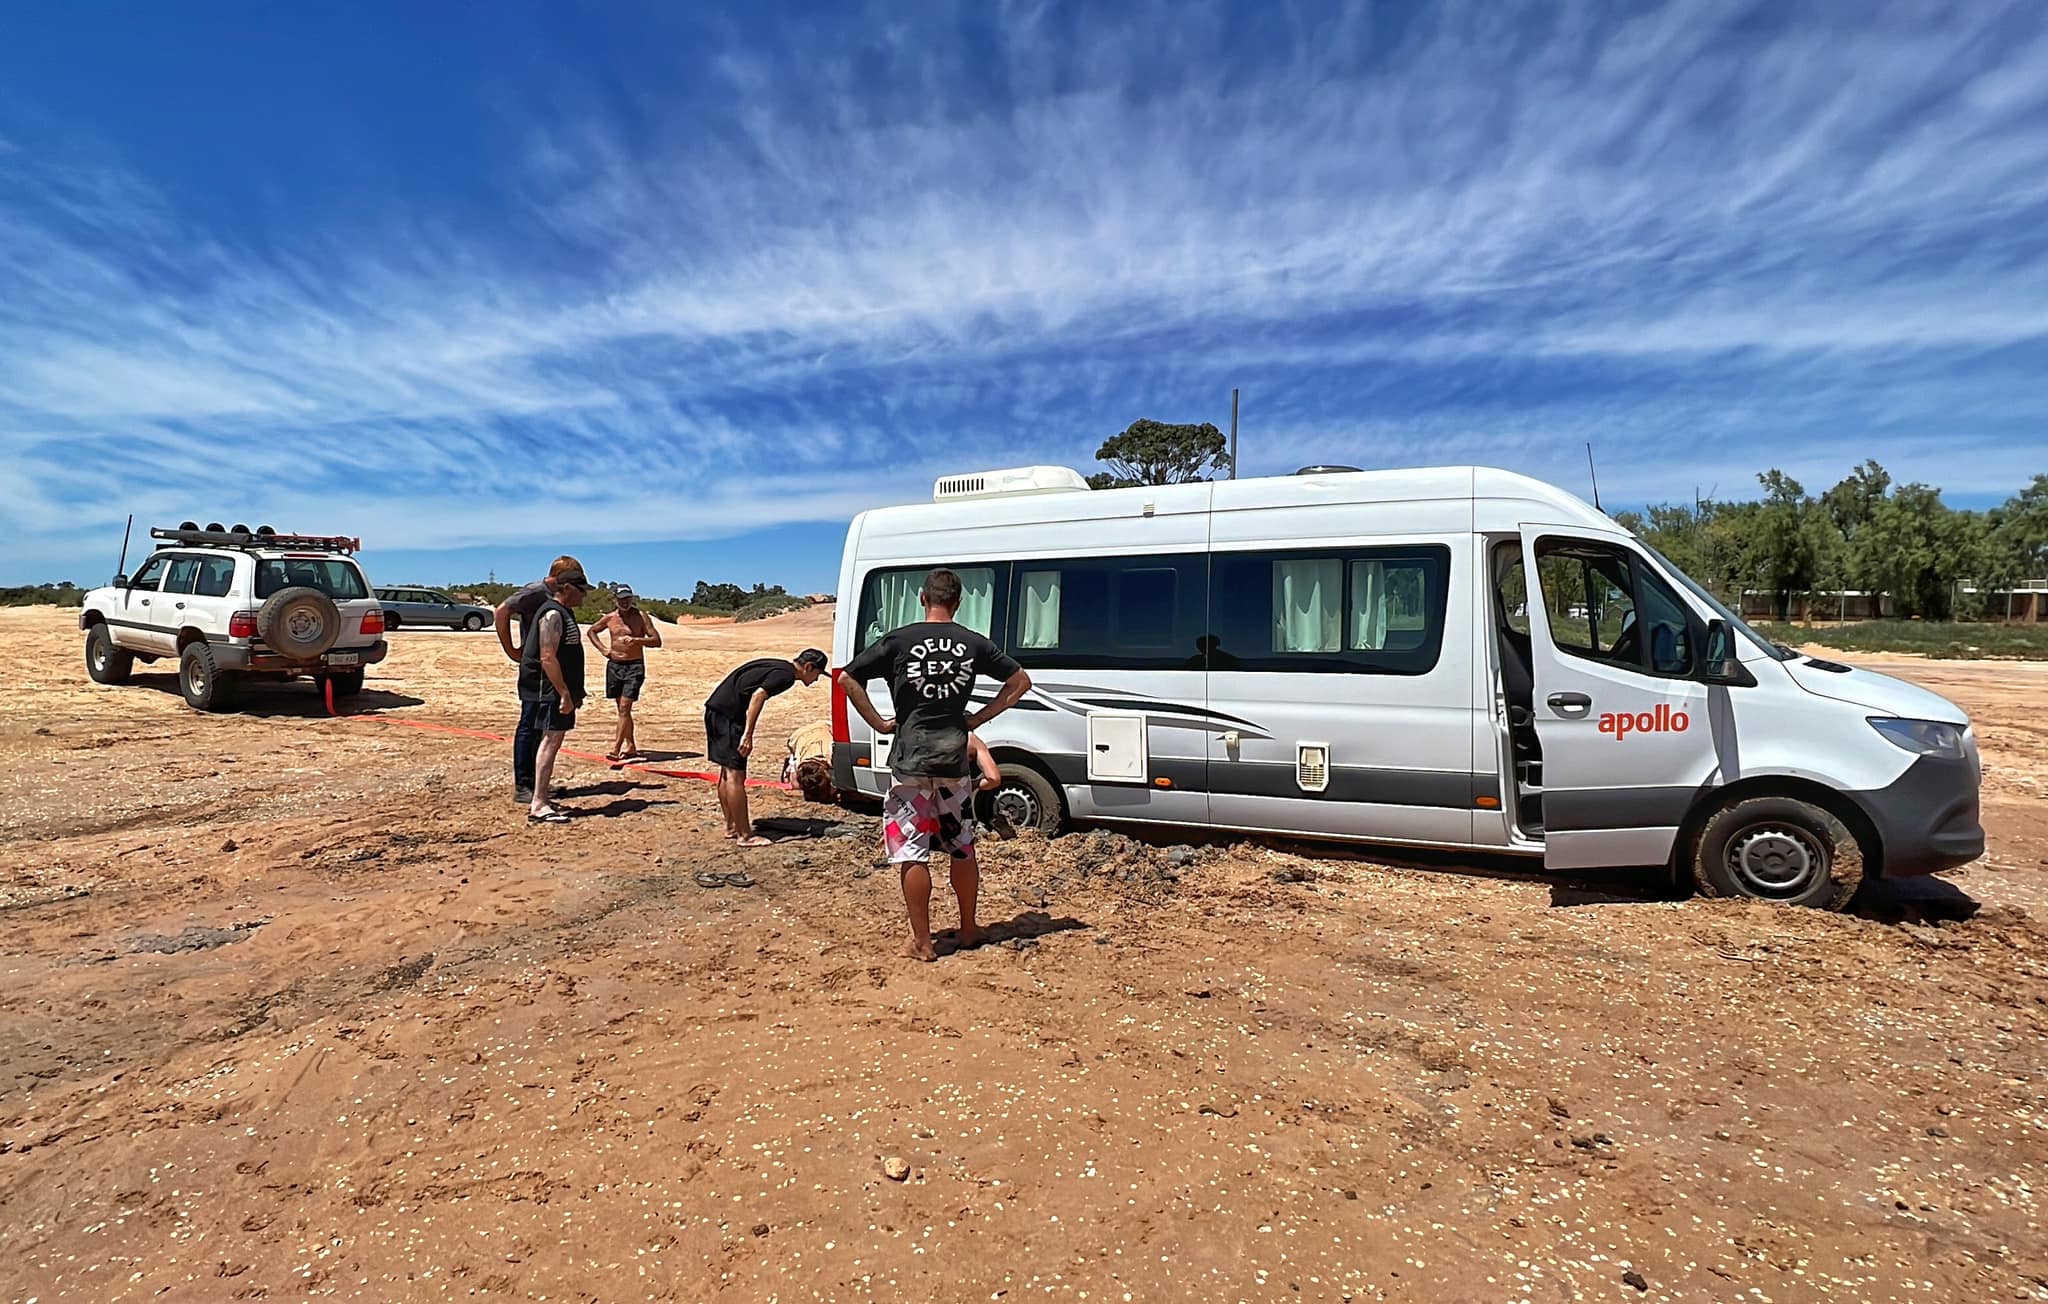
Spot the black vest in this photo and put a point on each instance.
(534, 685)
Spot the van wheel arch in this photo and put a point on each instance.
(1829, 800)
(1014, 761)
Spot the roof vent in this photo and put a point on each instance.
(1009, 483)
(1324, 470)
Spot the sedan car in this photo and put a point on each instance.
(419, 607)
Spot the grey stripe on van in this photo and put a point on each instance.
(1567, 810)
(1449, 789)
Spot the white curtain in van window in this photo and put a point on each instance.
(1368, 605)
(1308, 606)
(977, 599)
(1039, 610)
(896, 603)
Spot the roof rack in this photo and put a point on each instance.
(261, 537)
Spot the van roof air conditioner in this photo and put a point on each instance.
(1009, 482)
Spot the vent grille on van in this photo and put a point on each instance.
(1009, 482)
(1312, 766)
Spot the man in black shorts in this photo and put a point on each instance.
(730, 715)
(622, 636)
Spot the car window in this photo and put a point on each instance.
(334, 576)
(151, 574)
(216, 577)
(184, 570)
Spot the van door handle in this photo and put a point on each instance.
(181, 606)
(1573, 705)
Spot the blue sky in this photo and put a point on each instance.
(683, 287)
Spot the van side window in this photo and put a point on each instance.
(1110, 613)
(1358, 610)
(1604, 605)
(183, 571)
(151, 574)
(889, 600)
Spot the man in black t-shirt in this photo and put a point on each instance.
(931, 667)
(730, 715)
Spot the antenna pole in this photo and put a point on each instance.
(1233, 433)
(122, 569)
(1594, 474)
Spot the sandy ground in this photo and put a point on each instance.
(298, 1006)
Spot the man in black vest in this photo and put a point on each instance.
(551, 683)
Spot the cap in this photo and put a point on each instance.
(811, 656)
(623, 591)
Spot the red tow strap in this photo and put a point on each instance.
(707, 776)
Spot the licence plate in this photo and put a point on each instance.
(343, 658)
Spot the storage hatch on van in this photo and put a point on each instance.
(1116, 747)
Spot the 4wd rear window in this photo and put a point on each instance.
(336, 578)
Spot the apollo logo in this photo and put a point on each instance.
(1662, 720)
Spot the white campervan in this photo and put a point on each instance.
(1361, 655)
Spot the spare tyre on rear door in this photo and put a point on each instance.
(299, 622)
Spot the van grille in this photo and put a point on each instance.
(1312, 766)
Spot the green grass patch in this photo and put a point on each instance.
(1948, 640)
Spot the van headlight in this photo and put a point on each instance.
(1922, 737)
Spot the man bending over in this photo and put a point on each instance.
(931, 667)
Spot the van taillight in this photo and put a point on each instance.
(242, 625)
(842, 732)
(373, 621)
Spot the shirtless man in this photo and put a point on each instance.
(622, 637)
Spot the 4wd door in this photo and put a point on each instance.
(1619, 712)
(135, 623)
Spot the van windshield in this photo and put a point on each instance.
(332, 576)
(1735, 622)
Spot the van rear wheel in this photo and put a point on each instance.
(1777, 849)
(1026, 799)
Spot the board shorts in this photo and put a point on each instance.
(924, 817)
(624, 679)
(722, 734)
(549, 717)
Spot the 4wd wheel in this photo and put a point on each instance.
(472, 622)
(1026, 799)
(300, 622)
(390, 621)
(200, 678)
(1777, 849)
(106, 663)
(347, 683)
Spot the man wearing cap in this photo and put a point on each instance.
(522, 606)
(621, 636)
(551, 682)
(730, 716)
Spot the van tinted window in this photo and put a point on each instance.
(1110, 613)
(889, 600)
(1351, 610)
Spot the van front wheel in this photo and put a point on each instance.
(1026, 799)
(1777, 849)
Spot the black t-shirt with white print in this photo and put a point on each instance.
(931, 668)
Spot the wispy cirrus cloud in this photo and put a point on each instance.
(819, 266)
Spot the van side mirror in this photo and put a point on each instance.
(1722, 667)
(120, 581)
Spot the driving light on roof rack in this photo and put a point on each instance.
(215, 527)
(188, 525)
(266, 529)
(239, 529)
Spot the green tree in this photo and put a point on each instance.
(1914, 549)
(1792, 537)
(1153, 452)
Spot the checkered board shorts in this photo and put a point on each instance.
(923, 817)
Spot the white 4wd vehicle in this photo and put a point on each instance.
(229, 604)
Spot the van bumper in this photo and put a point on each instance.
(1927, 818)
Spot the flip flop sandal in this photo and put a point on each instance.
(739, 880)
(547, 817)
(705, 878)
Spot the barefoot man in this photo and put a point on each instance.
(551, 682)
(731, 714)
(931, 667)
(522, 606)
(622, 636)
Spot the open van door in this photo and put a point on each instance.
(1619, 708)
